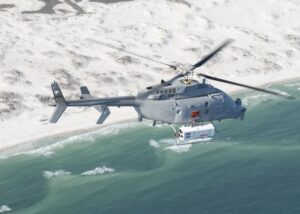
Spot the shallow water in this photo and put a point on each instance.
(254, 167)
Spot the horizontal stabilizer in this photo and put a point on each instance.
(85, 94)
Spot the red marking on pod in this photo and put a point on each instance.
(195, 114)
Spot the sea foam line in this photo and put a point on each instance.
(174, 147)
(56, 173)
(115, 128)
(154, 143)
(48, 150)
(91, 136)
(98, 171)
(180, 148)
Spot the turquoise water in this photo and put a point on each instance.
(253, 167)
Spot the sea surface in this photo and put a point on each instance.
(252, 166)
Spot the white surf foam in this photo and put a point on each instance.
(179, 148)
(150, 124)
(115, 129)
(254, 99)
(172, 141)
(5, 208)
(98, 171)
(174, 147)
(57, 173)
(48, 151)
(154, 143)
(281, 92)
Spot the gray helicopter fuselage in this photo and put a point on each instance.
(179, 100)
(185, 102)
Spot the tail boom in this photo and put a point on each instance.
(87, 100)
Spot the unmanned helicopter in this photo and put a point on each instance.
(179, 100)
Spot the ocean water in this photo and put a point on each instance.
(253, 166)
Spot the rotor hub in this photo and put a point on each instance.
(184, 68)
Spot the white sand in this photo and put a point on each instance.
(35, 49)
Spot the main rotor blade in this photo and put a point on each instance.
(133, 54)
(165, 83)
(247, 86)
(209, 56)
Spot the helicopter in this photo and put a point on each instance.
(179, 100)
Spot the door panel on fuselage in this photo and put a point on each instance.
(159, 110)
(216, 106)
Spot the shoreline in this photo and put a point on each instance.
(61, 132)
(64, 134)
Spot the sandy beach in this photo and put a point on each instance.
(62, 45)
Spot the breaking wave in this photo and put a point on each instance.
(154, 143)
(174, 147)
(172, 141)
(5, 208)
(179, 148)
(98, 171)
(57, 173)
(115, 129)
(281, 92)
(255, 99)
(49, 150)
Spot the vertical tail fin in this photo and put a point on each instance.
(105, 112)
(61, 104)
(85, 93)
